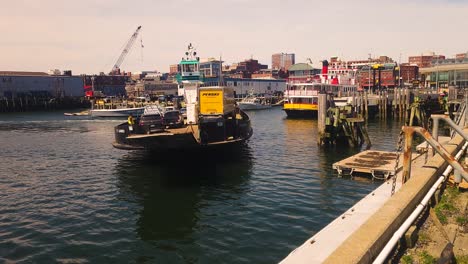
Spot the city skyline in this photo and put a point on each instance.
(88, 37)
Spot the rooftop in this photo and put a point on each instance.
(22, 73)
(301, 67)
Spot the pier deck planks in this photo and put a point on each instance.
(380, 164)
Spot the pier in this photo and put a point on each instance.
(32, 103)
(375, 228)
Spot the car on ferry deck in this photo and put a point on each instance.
(173, 119)
(151, 123)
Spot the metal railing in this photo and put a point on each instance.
(409, 133)
(300, 93)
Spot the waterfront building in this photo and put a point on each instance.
(153, 85)
(282, 61)
(424, 60)
(210, 67)
(105, 85)
(14, 84)
(378, 76)
(250, 66)
(409, 74)
(266, 74)
(445, 73)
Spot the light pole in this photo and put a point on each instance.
(370, 58)
(92, 96)
(399, 72)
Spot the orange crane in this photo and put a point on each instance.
(128, 46)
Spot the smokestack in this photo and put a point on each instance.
(325, 69)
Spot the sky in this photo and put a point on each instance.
(87, 36)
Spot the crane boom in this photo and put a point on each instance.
(126, 50)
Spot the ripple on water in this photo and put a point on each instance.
(68, 196)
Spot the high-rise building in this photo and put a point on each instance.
(282, 61)
(173, 69)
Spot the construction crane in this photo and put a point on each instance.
(124, 53)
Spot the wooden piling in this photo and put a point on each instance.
(385, 104)
(322, 114)
(366, 107)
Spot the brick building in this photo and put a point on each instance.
(248, 67)
(378, 76)
(424, 61)
(408, 73)
(173, 69)
(282, 61)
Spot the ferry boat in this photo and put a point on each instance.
(301, 99)
(213, 117)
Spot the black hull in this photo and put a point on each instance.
(294, 113)
(205, 135)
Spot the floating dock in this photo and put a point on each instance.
(379, 164)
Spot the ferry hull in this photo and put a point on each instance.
(203, 135)
(253, 106)
(301, 113)
(301, 110)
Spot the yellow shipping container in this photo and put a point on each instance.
(216, 101)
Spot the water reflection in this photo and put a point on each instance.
(173, 189)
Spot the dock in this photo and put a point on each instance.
(379, 164)
(362, 232)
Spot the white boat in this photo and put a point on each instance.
(119, 112)
(252, 102)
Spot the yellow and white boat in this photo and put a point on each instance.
(301, 99)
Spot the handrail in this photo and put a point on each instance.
(446, 118)
(401, 231)
(409, 132)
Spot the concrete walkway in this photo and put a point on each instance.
(358, 235)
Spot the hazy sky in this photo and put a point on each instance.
(88, 36)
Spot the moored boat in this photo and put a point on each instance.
(301, 99)
(118, 112)
(252, 102)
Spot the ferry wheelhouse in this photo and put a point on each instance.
(301, 99)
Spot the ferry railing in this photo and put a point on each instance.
(300, 93)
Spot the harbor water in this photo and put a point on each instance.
(68, 196)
